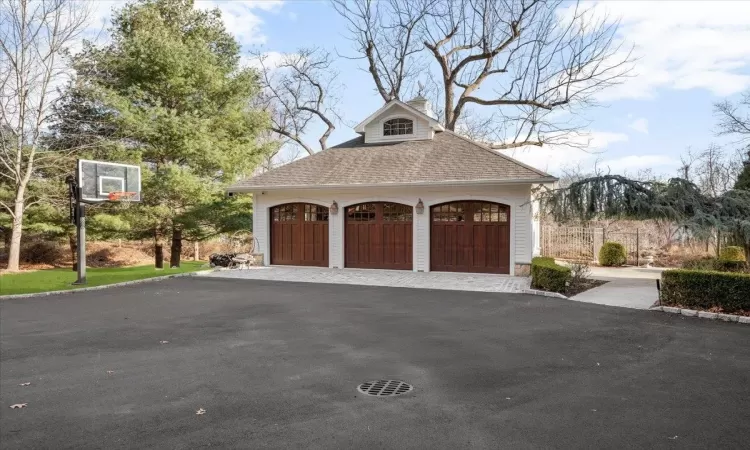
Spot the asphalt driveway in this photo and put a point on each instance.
(276, 365)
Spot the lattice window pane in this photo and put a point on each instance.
(396, 127)
(451, 212)
(315, 213)
(394, 212)
(285, 213)
(361, 213)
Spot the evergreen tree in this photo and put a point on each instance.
(678, 200)
(743, 180)
(168, 92)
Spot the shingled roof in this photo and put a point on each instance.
(445, 159)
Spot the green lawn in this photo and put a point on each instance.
(61, 279)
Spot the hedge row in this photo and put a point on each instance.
(548, 276)
(706, 289)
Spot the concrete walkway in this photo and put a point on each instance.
(393, 278)
(628, 287)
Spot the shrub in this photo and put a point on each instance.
(612, 254)
(579, 273)
(41, 252)
(732, 253)
(548, 276)
(702, 263)
(706, 289)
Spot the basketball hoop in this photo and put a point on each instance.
(123, 197)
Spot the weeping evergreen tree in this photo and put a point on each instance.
(678, 200)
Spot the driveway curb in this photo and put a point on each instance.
(104, 286)
(703, 314)
(544, 293)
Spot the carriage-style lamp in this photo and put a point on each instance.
(420, 207)
(334, 207)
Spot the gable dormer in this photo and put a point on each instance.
(399, 121)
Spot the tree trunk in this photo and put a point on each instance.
(159, 256)
(174, 257)
(196, 251)
(158, 251)
(14, 252)
(450, 118)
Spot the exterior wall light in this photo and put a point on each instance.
(420, 207)
(334, 209)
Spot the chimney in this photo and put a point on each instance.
(422, 105)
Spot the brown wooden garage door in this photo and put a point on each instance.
(299, 235)
(470, 236)
(379, 236)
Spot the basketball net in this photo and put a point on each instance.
(123, 197)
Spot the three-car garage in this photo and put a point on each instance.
(465, 236)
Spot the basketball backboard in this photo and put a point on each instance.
(101, 181)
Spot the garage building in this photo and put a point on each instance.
(406, 194)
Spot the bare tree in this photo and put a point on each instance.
(387, 36)
(300, 92)
(714, 170)
(734, 118)
(537, 57)
(34, 36)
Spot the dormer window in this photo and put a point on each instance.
(396, 127)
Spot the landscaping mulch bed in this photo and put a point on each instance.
(583, 287)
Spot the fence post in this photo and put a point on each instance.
(637, 247)
(598, 242)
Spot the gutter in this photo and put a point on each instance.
(243, 189)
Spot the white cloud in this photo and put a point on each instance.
(634, 163)
(640, 125)
(682, 45)
(240, 16)
(551, 158)
(271, 60)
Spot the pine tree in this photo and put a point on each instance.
(168, 92)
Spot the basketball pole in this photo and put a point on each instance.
(81, 236)
(79, 219)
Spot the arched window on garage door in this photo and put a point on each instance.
(379, 236)
(299, 235)
(470, 236)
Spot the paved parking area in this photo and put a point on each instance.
(276, 365)
(453, 281)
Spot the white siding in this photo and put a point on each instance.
(374, 130)
(523, 239)
(260, 227)
(517, 197)
(536, 231)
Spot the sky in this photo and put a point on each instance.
(690, 55)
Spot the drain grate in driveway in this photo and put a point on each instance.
(385, 388)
